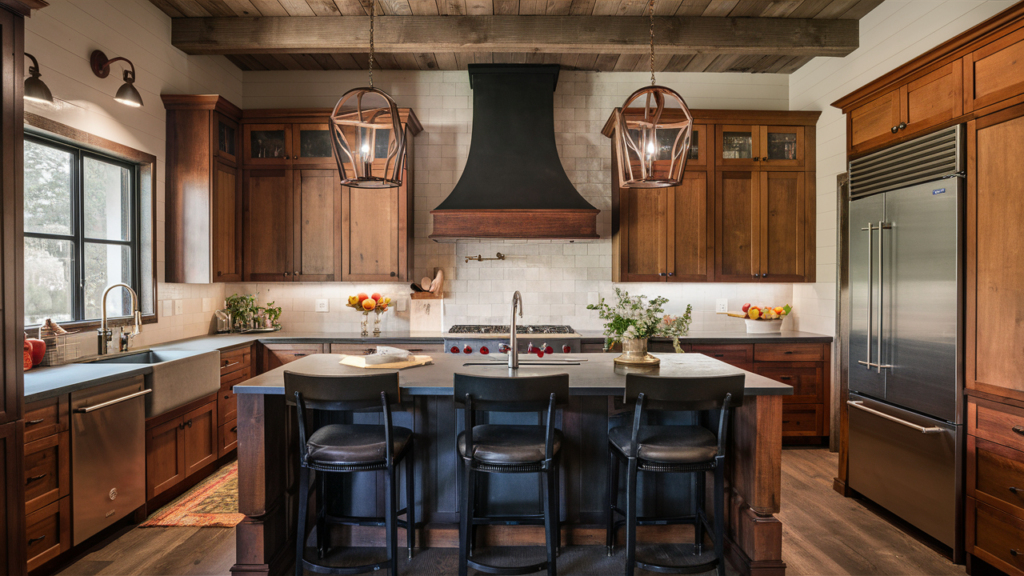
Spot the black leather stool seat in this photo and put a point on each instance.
(668, 444)
(506, 444)
(351, 444)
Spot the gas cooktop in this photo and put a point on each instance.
(504, 329)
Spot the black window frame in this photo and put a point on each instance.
(78, 236)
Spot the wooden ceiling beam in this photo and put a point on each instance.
(536, 34)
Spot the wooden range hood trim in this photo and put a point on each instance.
(516, 224)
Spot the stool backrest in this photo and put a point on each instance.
(508, 394)
(342, 394)
(684, 394)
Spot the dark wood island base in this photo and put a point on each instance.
(268, 477)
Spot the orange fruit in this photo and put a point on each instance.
(369, 304)
(362, 296)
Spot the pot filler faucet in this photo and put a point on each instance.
(513, 353)
(105, 334)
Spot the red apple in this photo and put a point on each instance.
(376, 296)
(38, 350)
(746, 307)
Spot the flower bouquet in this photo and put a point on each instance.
(373, 303)
(634, 319)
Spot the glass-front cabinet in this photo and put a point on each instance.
(267, 144)
(226, 138)
(764, 147)
(311, 145)
(700, 146)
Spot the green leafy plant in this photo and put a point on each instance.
(273, 314)
(635, 317)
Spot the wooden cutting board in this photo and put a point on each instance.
(414, 360)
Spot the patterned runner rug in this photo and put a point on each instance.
(213, 502)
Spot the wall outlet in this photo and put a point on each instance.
(178, 308)
(722, 305)
(321, 305)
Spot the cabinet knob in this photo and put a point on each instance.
(902, 126)
(1018, 429)
(757, 275)
(765, 275)
(764, 159)
(287, 158)
(662, 274)
(671, 273)
(895, 129)
(393, 274)
(1013, 490)
(296, 272)
(285, 273)
(1014, 552)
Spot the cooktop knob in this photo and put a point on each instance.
(467, 349)
(566, 349)
(455, 350)
(484, 350)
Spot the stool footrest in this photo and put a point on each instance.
(344, 570)
(508, 570)
(527, 520)
(704, 566)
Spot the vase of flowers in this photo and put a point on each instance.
(635, 319)
(366, 304)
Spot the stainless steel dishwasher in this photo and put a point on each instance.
(108, 455)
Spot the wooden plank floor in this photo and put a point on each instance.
(824, 534)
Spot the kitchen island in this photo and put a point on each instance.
(268, 463)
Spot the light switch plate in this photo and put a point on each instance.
(400, 305)
(321, 305)
(178, 308)
(722, 305)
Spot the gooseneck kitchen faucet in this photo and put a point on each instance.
(105, 334)
(513, 353)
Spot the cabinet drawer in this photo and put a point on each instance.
(47, 471)
(802, 420)
(227, 437)
(665, 347)
(48, 532)
(996, 475)
(789, 352)
(226, 382)
(804, 377)
(996, 422)
(996, 537)
(734, 354)
(364, 349)
(227, 405)
(46, 417)
(234, 361)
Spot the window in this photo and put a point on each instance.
(82, 232)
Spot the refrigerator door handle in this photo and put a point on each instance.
(882, 226)
(858, 404)
(867, 363)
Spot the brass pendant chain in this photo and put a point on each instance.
(373, 11)
(651, 42)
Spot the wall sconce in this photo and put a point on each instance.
(126, 94)
(35, 89)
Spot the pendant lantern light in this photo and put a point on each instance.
(652, 134)
(367, 135)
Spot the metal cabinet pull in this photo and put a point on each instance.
(34, 478)
(181, 426)
(301, 354)
(1014, 552)
(232, 364)
(1018, 429)
(189, 423)
(32, 541)
(662, 274)
(234, 428)
(922, 429)
(719, 355)
(785, 377)
(870, 229)
(111, 402)
(902, 126)
(34, 422)
(1013, 490)
(894, 129)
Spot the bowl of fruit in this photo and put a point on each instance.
(763, 319)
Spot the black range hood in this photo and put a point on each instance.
(513, 185)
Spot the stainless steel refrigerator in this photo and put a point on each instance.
(905, 332)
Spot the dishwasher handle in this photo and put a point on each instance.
(922, 429)
(110, 402)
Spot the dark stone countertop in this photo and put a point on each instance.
(697, 337)
(596, 374)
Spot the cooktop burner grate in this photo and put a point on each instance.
(504, 329)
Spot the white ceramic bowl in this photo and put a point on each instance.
(763, 326)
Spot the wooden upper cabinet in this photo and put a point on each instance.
(267, 144)
(875, 122)
(782, 147)
(311, 146)
(269, 226)
(763, 147)
(994, 74)
(375, 232)
(934, 98)
(737, 226)
(203, 190)
(317, 229)
(738, 146)
(689, 246)
(785, 242)
(644, 215)
(995, 268)
(701, 147)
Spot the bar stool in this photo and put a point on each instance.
(349, 448)
(510, 449)
(673, 449)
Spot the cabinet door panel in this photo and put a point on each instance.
(269, 225)
(701, 147)
(317, 226)
(165, 457)
(782, 147)
(738, 146)
(995, 72)
(737, 231)
(996, 261)
(225, 136)
(689, 247)
(646, 223)
(277, 355)
(200, 438)
(872, 123)
(227, 224)
(375, 232)
(311, 146)
(267, 144)
(783, 226)
(935, 98)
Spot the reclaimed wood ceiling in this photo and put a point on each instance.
(753, 15)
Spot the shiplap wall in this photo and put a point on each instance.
(61, 37)
(557, 280)
(890, 35)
